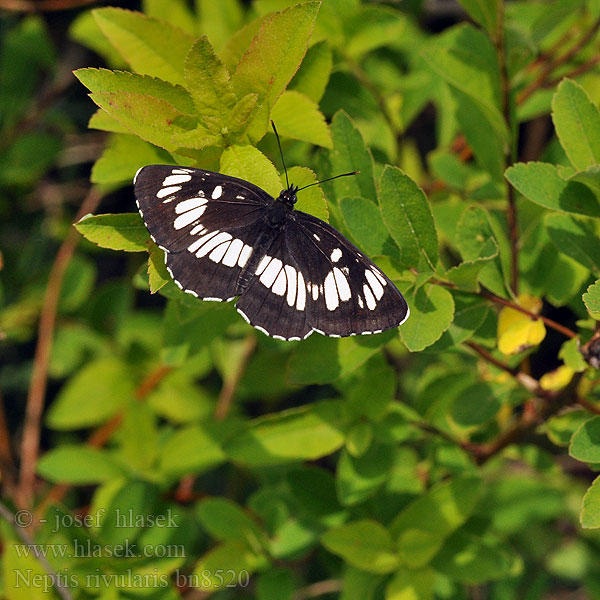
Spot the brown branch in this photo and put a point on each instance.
(100, 437)
(7, 463)
(487, 356)
(39, 377)
(320, 588)
(593, 408)
(579, 70)
(41, 5)
(22, 534)
(552, 65)
(230, 384)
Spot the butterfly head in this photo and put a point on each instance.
(288, 196)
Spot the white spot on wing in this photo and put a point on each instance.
(269, 274)
(374, 283)
(331, 294)
(176, 179)
(244, 255)
(336, 255)
(189, 217)
(291, 284)
(279, 286)
(201, 240)
(342, 285)
(221, 238)
(360, 302)
(316, 237)
(262, 265)
(167, 191)
(189, 204)
(370, 299)
(219, 252)
(217, 192)
(233, 253)
(314, 291)
(136, 174)
(198, 229)
(379, 276)
(301, 297)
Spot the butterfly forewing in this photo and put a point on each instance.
(207, 223)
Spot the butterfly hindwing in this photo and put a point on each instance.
(206, 222)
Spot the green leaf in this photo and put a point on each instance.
(272, 60)
(106, 384)
(365, 223)
(590, 512)
(475, 238)
(176, 12)
(123, 157)
(275, 583)
(577, 238)
(591, 300)
(124, 231)
(577, 123)
(411, 584)
(298, 117)
(408, 218)
(139, 436)
(225, 520)
(250, 164)
(542, 184)
(431, 312)
(155, 120)
(312, 76)
(560, 429)
(104, 122)
(208, 80)
(312, 200)
(585, 443)
(476, 405)
(321, 360)
(466, 275)
(77, 465)
(233, 560)
(103, 80)
(305, 433)
(350, 154)
(365, 544)
(220, 20)
(422, 527)
(359, 478)
(150, 46)
(158, 276)
(191, 450)
(485, 12)
(473, 561)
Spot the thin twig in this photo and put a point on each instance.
(320, 588)
(230, 384)
(39, 378)
(7, 463)
(588, 405)
(552, 65)
(490, 358)
(22, 534)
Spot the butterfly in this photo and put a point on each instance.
(294, 274)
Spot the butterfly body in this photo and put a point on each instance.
(294, 274)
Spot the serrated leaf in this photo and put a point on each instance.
(77, 465)
(431, 312)
(104, 122)
(321, 360)
(312, 76)
(155, 120)
(407, 215)
(577, 123)
(150, 46)
(312, 200)
(422, 527)
(249, 163)
(106, 385)
(122, 158)
(124, 231)
(365, 223)
(208, 80)
(590, 512)
(350, 154)
(542, 184)
(577, 238)
(273, 57)
(365, 544)
(585, 443)
(103, 80)
(298, 117)
(305, 433)
(591, 299)
(485, 12)
(158, 276)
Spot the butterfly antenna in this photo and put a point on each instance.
(328, 179)
(281, 153)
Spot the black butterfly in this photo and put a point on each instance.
(295, 274)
